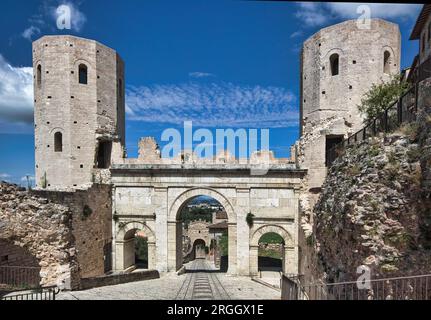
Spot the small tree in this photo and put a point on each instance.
(381, 95)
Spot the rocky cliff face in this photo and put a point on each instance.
(373, 210)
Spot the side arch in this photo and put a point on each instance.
(125, 249)
(289, 262)
(288, 242)
(138, 226)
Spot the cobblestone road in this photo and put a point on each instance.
(200, 282)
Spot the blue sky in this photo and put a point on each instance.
(220, 64)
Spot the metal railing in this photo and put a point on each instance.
(291, 286)
(17, 277)
(400, 288)
(45, 293)
(401, 111)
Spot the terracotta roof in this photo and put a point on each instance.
(220, 225)
(420, 22)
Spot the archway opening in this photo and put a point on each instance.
(202, 234)
(141, 250)
(271, 252)
(135, 249)
(200, 249)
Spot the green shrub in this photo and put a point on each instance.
(381, 96)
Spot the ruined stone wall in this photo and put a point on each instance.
(13, 255)
(91, 225)
(82, 113)
(65, 232)
(41, 228)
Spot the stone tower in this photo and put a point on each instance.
(338, 65)
(79, 110)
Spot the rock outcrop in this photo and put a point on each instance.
(373, 210)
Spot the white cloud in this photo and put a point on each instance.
(296, 34)
(16, 95)
(78, 18)
(4, 175)
(312, 14)
(200, 75)
(318, 14)
(213, 105)
(30, 32)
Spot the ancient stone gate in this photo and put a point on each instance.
(149, 197)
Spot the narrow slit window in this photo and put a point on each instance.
(83, 74)
(58, 142)
(334, 62)
(386, 62)
(39, 76)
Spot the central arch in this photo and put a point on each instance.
(175, 226)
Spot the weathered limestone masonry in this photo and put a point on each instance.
(149, 193)
(53, 231)
(79, 109)
(91, 224)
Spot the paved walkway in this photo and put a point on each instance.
(200, 281)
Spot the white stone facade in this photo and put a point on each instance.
(154, 196)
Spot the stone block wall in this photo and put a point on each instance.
(91, 225)
(64, 233)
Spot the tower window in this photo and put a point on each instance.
(334, 61)
(83, 74)
(386, 62)
(39, 76)
(58, 142)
